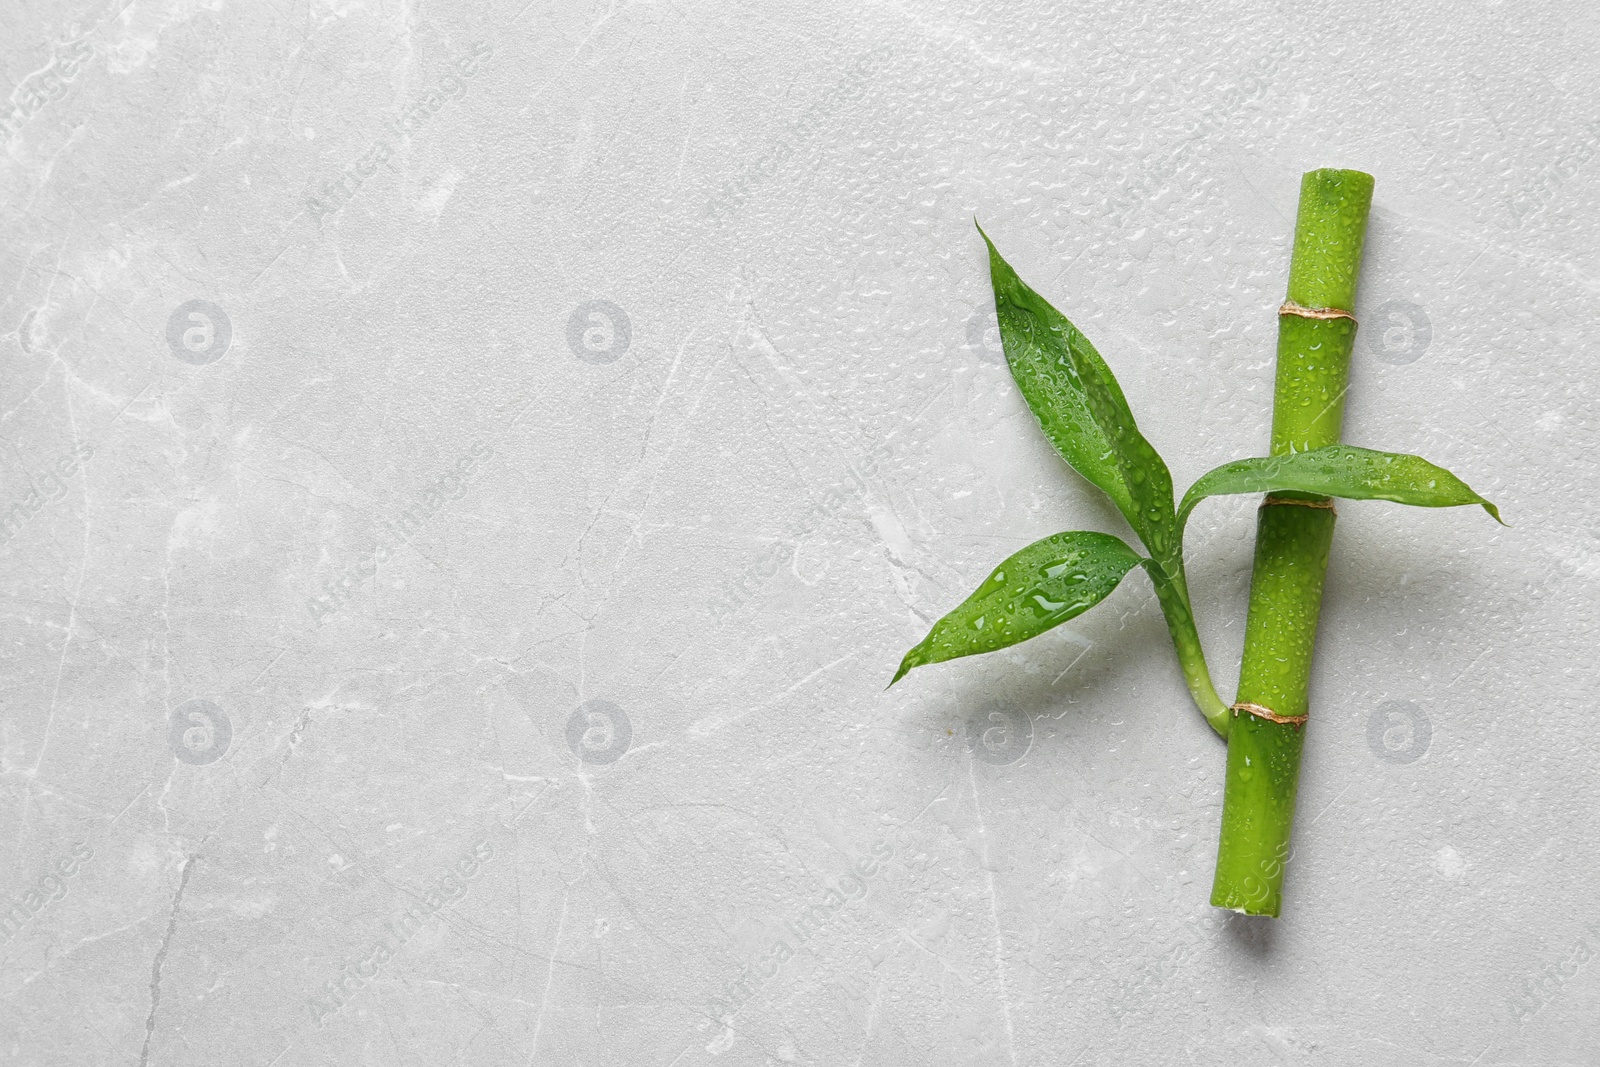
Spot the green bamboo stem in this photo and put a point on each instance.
(1292, 542)
(1173, 595)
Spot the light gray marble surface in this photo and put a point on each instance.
(471, 470)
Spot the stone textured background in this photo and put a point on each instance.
(623, 381)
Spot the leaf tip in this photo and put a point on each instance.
(905, 668)
(1494, 512)
(994, 253)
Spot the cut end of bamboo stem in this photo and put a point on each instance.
(1330, 229)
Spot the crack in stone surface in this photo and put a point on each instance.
(161, 954)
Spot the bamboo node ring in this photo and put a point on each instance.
(1270, 499)
(1297, 721)
(1289, 307)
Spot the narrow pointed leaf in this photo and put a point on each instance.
(1042, 586)
(1079, 404)
(1342, 471)
(1035, 338)
(1143, 470)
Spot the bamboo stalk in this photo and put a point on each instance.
(1294, 531)
(1173, 594)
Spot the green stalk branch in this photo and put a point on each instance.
(1293, 534)
(1173, 595)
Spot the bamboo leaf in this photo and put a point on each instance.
(1034, 336)
(1342, 471)
(1040, 587)
(1081, 408)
